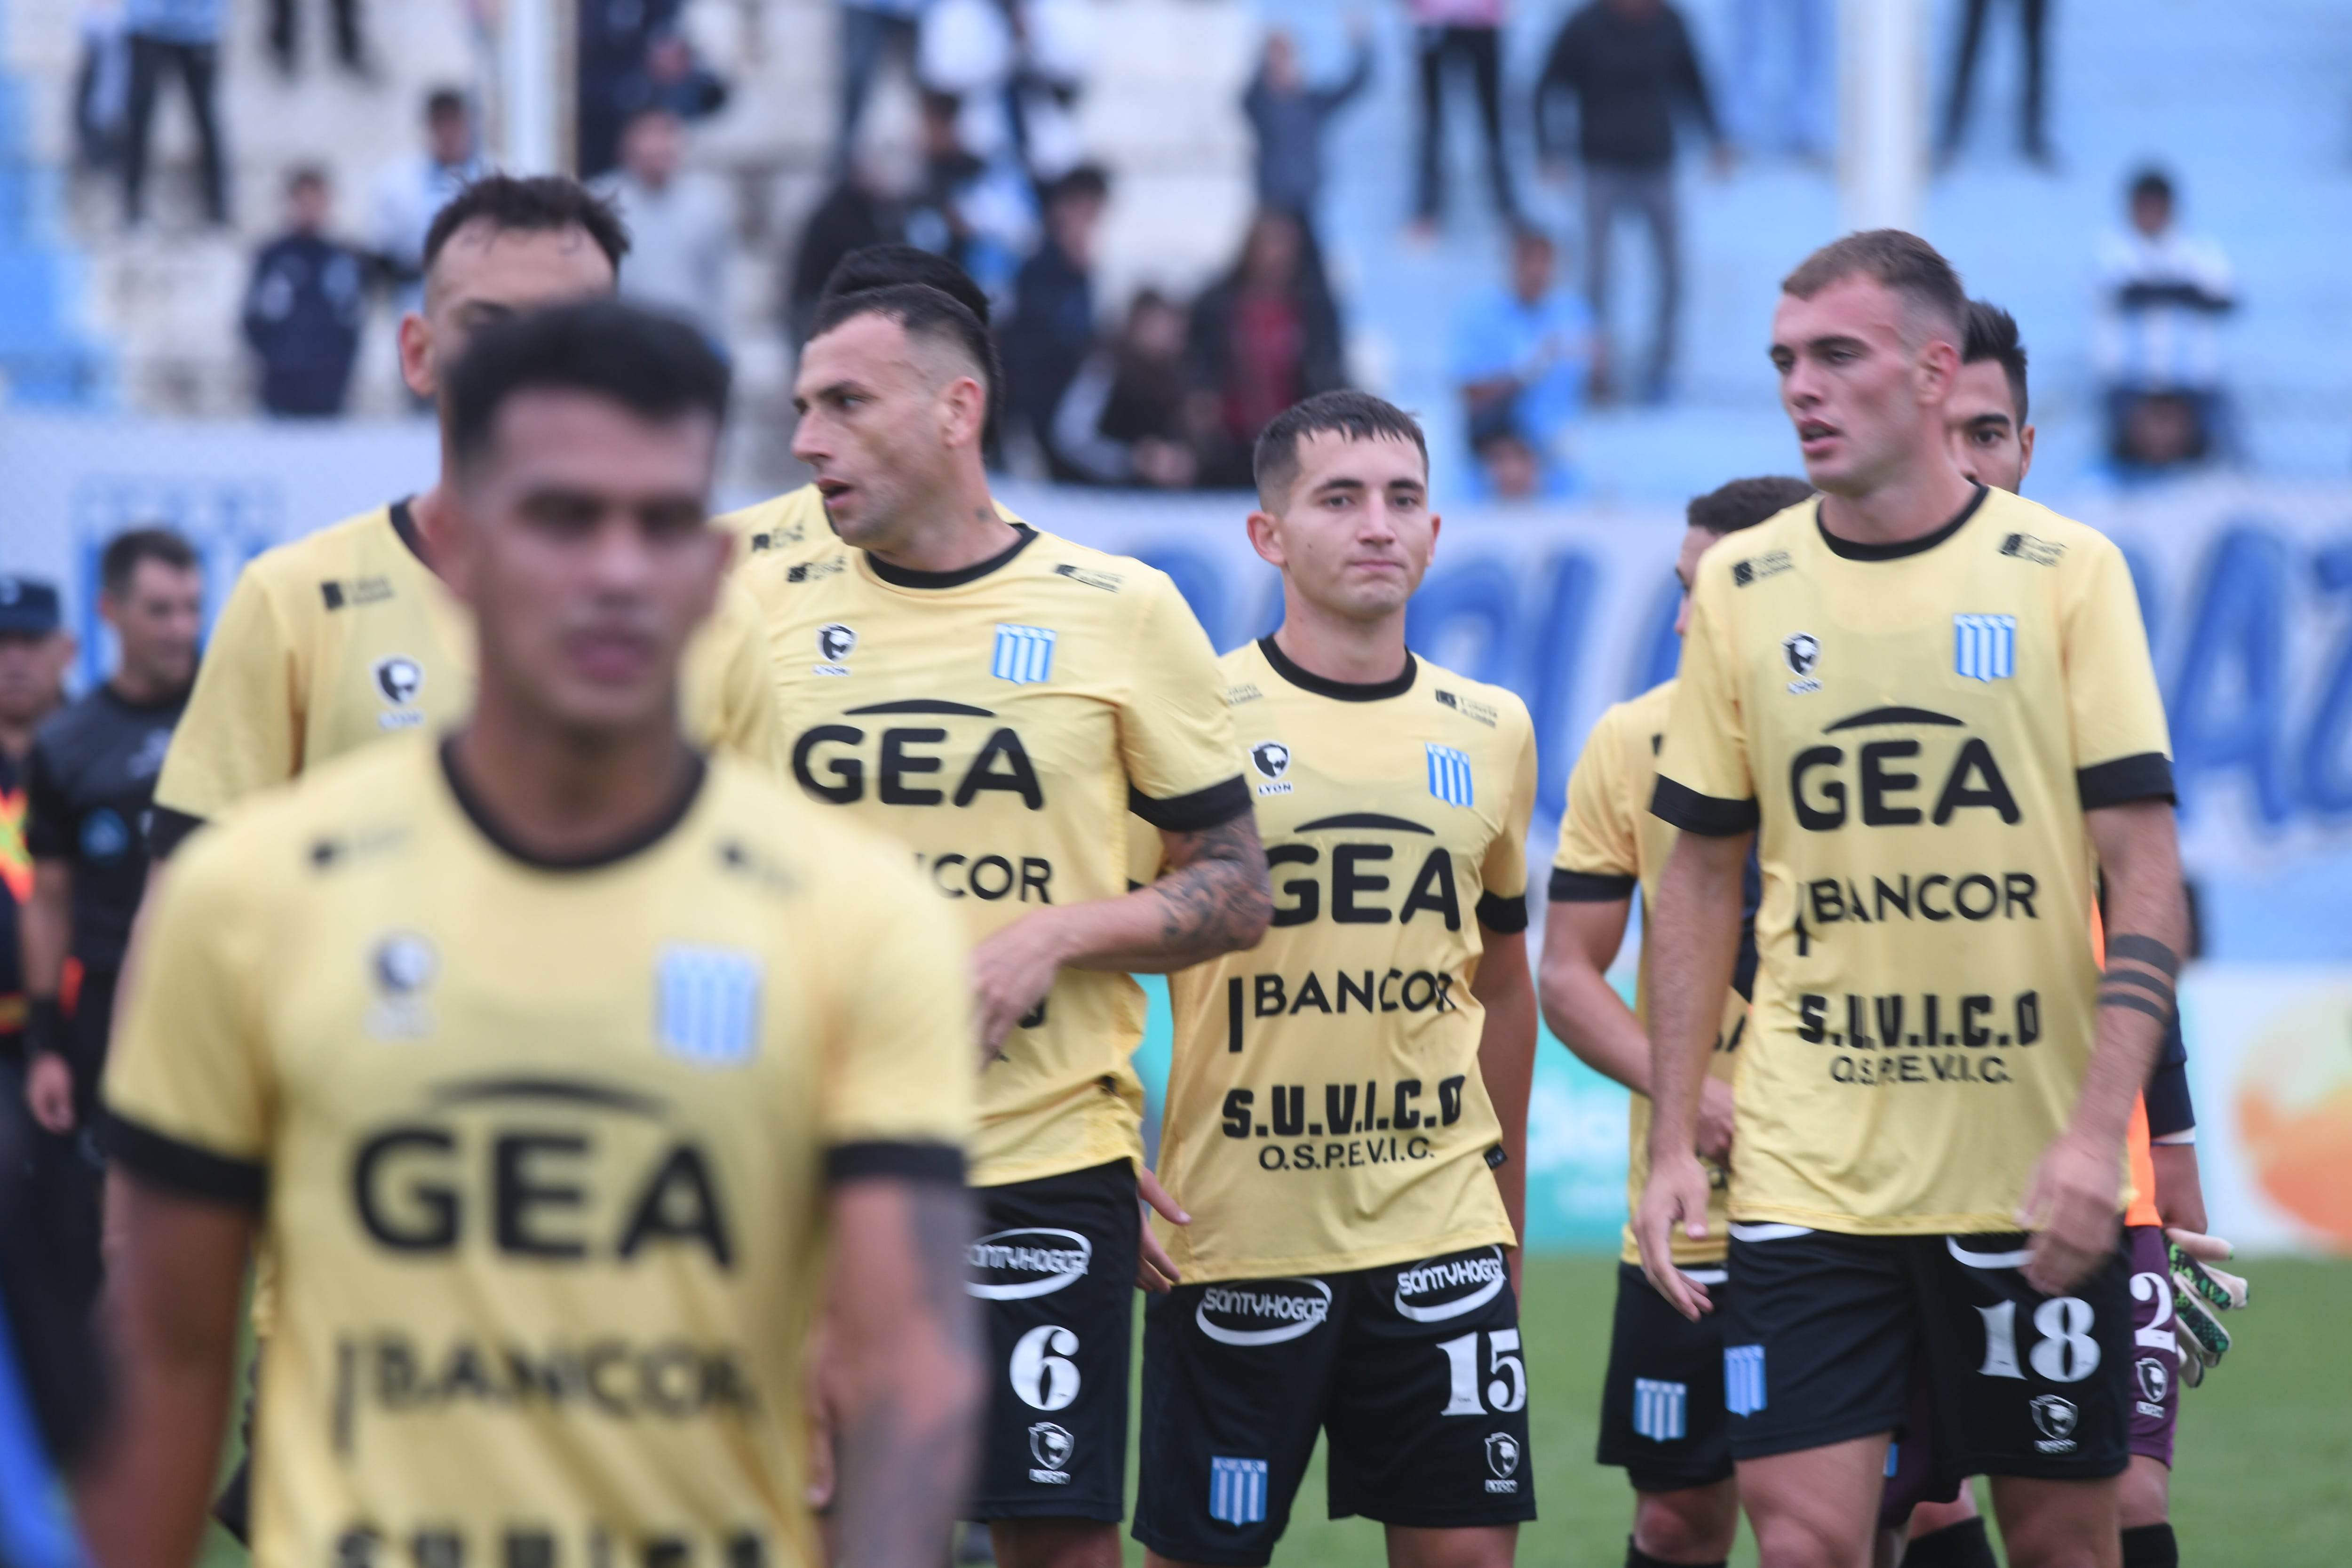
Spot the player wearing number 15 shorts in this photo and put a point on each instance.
(1345, 1096)
(1931, 707)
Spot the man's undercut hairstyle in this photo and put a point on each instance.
(1352, 415)
(2152, 184)
(444, 103)
(924, 313)
(1744, 503)
(1992, 335)
(872, 266)
(120, 562)
(658, 367)
(1901, 262)
(544, 203)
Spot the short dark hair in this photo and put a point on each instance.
(1744, 503)
(1901, 262)
(444, 103)
(125, 551)
(303, 174)
(541, 205)
(1992, 335)
(655, 366)
(2152, 182)
(1087, 181)
(888, 266)
(1355, 416)
(922, 311)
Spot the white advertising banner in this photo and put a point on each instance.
(2247, 589)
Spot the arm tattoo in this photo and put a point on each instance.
(906, 1458)
(1218, 897)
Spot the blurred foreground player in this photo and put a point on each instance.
(563, 1068)
(35, 649)
(1662, 1417)
(350, 634)
(1930, 719)
(1993, 444)
(1347, 1110)
(795, 522)
(1000, 701)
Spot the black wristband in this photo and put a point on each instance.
(2148, 983)
(2145, 949)
(2138, 1004)
(47, 1027)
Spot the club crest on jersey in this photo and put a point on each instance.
(1237, 1490)
(1802, 653)
(1024, 655)
(1984, 647)
(1449, 776)
(1271, 760)
(707, 1004)
(398, 679)
(834, 643)
(1661, 1409)
(402, 966)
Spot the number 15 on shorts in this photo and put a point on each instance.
(1506, 1389)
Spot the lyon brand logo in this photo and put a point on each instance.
(833, 642)
(399, 678)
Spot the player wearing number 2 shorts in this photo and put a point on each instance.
(1345, 1096)
(1930, 706)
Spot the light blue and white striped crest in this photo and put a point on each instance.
(1743, 1379)
(1024, 655)
(1660, 1409)
(1237, 1490)
(1984, 647)
(707, 1004)
(1449, 776)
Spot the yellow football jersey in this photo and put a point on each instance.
(542, 1151)
(1611, 847)
(1325, 1108)
(792, 524)
(332, 640)
(1000, 721)
(1916, 732)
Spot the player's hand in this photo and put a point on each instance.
(1715, 1120)
(48, 1092)
(1011, 973)
(2072, 1206)
(1154, 1270)
(2200, 1293)
(1675, 1195)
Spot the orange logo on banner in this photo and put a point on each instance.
(2295, 1114)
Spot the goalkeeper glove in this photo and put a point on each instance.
(2200, 1294)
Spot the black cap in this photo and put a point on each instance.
(28, 607)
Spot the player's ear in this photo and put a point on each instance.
(1265, 538)
(966, 407)
(1939, 367)
(2024, 453)
(416, 356)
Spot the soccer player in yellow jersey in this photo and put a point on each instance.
(1345, 1096)
(1930, 706)
(794, 524)
(999, 701)
(1661, 1416)
(334, 639)
(565, 1069)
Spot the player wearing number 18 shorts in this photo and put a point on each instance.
(1345, 1096)
(1930, 706)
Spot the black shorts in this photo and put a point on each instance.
(1414, 1370)
(1827, 1331)
(1054, 1272)
(1662, 1417)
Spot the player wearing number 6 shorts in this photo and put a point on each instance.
(1931, 707)
(1661, 1416)
(1348, 1105)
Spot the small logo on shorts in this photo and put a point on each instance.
(2054, 1418)
(2155, 1381)
(1263, 1311)
(1237, 1490)
(1743, 1379)
(1441, 1288)
(1015, 1265)
(1051, 1446)
(1660, 1409)
(1503, 1458)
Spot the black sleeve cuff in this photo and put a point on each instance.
(1590, 887)
(1195, 813)
(894, 1162)
(1702, 814)
(2170, 1109)
(184, 1168)
(166, 830)
(1507, 916)
(2147, 776)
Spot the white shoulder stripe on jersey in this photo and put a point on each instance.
(1769, 1232)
